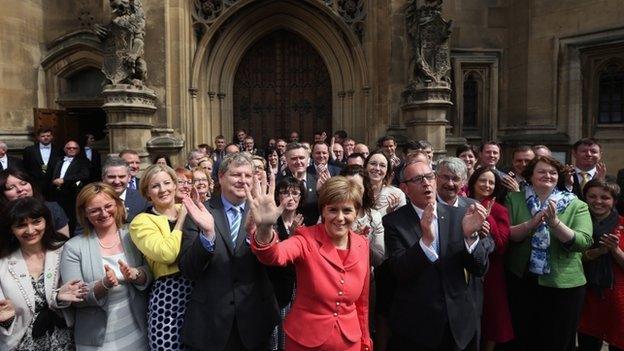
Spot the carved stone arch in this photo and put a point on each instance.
(227, 40)
(67, 55)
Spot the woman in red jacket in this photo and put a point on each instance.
(330, 311)
(486, 187)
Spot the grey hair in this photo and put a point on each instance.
(455, 165)
(402, 172)
(294, 146)
(237, 159)
(3, 146)
(114, 161)
(193, 152)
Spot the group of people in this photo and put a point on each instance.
(299, 246)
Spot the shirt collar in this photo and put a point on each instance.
(454, 204)
(122, 196)
(420, 211)
(41, 146)
(228, 205)
(591, 172)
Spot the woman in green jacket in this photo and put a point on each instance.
(550, 229)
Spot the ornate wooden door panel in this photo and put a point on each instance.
(281, 85)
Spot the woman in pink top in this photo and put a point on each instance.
(330, 311)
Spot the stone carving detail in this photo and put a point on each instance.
(206, 12)
(123, 43)
(429, 33)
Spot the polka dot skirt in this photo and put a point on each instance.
(165, 314)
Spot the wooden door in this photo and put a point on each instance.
(55, 120)
(281, 85)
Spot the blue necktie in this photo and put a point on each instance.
(234, 224)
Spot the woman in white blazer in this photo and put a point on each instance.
(113, 315)
(30, 252)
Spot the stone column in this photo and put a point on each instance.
(129, 110)
(427, 97)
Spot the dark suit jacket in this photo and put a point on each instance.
(310, 208)
(33, 165)
(95, 169)
(230, 284)
(77, 173)
(333, 170)
(430, 295)
(15, 163)
(135, 204)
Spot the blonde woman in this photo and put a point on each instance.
(112, 317)
(157, 233)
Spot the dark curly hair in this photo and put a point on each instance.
(499, 191)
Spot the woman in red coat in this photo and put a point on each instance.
(330, 311)
(486, 187)
(602, 318)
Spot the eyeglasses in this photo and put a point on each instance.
(291, 193)
(200, 180)
(448, 178)
(185, 182)
(97, 211)
(419, 179)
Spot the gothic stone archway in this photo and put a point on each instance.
(282, 85)
(223, 46)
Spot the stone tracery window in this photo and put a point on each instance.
(611, 94)
(471, 101)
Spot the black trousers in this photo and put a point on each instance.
(543, 318)
(590, 343)
(399, 343)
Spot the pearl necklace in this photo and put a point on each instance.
(108, 247)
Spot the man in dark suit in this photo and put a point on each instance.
(40, 160)
(587, 154)
(297, 160)
(233, 305)
(134, 162)
(320, 157)
(250, 146)
(95, 160)
(431, 247)
(7, 161)
(116, 173)
(68, 177)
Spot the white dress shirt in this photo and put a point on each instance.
(432, 251)
(88, 152)
(4, 161)
(45, 151)
(66, 162)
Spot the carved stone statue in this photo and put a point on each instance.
(430, 63)
(123, 43)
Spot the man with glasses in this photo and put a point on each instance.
(450, 178)
(430, 246)
(68, 177)
(297, 160)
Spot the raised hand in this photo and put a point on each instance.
(473, 219)
(425, 224)
(73, 291)
(485, 229)
(601, 170)
(110, 279)
(610, 241)
(550, 214)
(7, 310)
(262, 205)
(200, 215)
(510, 183)
(393, 202)
(322, 178)
(569, 175)
(297, 222)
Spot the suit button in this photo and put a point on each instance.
(335, 314)
(341, 281)
(340, 293)
(337, 303)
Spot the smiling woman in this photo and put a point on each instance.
(158, 235)
(325, 315)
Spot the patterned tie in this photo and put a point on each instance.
(133, 183)
(234, 224)
(584, 179)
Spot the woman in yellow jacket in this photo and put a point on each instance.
(157, 234)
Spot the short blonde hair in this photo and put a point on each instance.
(87, 194)
(340, 189)
(150, 172)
